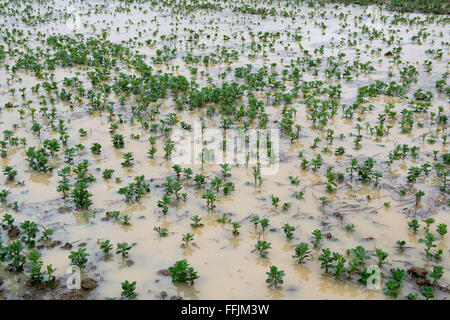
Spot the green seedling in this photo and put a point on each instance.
(105, 246)
(414, 225)
(223, 218)
(428, 223)
(326, 259)
(79, 258)
(289, 231)
(235, 226)
(123, 249)
(442, 230)
(196, 221)
(427, 292)
(302, 252)
(128, 289)
(429, 243)
(317, 237)
(264, 223)
(274, 276)
(188, 237)
(262, 247)
(161, 231)
(255, 220)
(401, 244)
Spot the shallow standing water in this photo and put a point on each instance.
(316, 40)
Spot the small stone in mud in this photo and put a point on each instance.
(163, 295)
(141, 217)
(176, 298)
(88, 284)
(273, 230)
(74, 295)
(67, 246)
(329, 236)
(83, 244)
(13, 233)
(388, 54)
(419, 275)
(41, 246)
(338, 215)
(129, 262)
(164, 272)
(416, 272)
(54, 244)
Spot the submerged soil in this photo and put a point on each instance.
(286, 55)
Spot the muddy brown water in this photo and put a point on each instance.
(228, 265)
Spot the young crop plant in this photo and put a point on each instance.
(196, 221)
(8, 220)
(181, 272)
(436, 274)
(81, 196)
(118, 141)
(381, 256)
(79, 258)
(262, 246)
(164, 204)
(302, 252)
(161, 231)
(29, 231)
(401, 244)
(235, 226)
(326, 259)
(414, 225)
(317, 237)
(107, 173)
(274, 276)
(210, 199)
(4, 195)
(428, 223)
(128, 289)
(10, 173)
(123, 249)
(428, 241)
(289, 231)
(264, 223)
(63, 185)
(128, 160)
(339, 266)
(275, 201)
(96, 148)
(255, 220)
(427, 292)
(188, 237)
(13, 254)
(105, 246)
(442, 230)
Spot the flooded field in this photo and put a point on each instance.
(357, 102)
